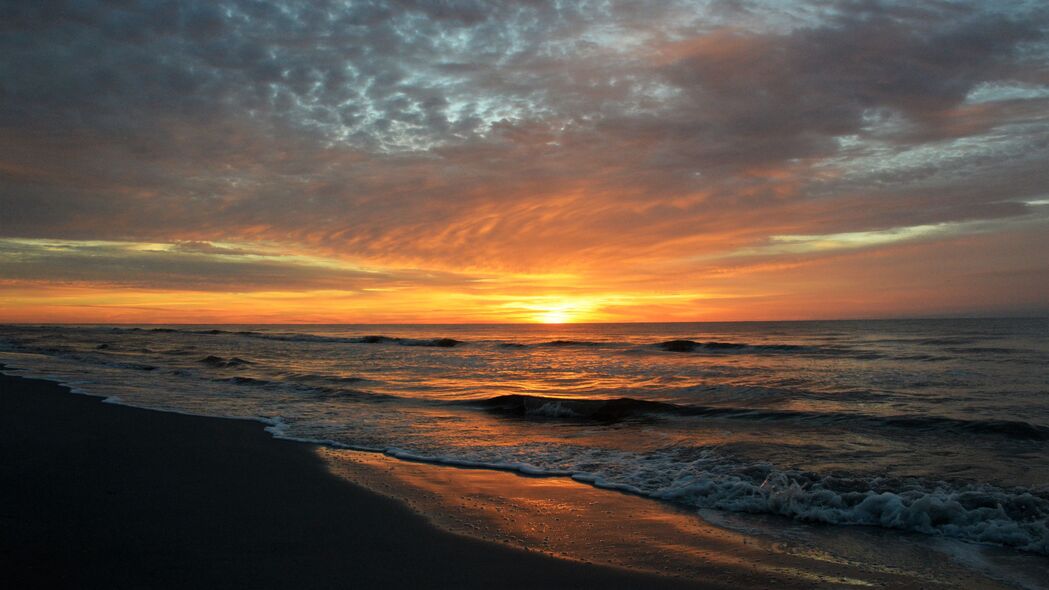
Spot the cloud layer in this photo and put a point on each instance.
(709, 154)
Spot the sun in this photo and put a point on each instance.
(553, 316)
(548, 309)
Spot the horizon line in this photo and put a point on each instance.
(872, 319)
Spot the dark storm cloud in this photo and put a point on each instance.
(510, 135)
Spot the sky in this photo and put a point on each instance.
(407, 161)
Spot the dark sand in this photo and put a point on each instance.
(96, 495)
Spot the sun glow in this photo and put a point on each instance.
(554, 316)
(561, 311)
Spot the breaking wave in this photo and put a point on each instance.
(975, 512)
(703, 479)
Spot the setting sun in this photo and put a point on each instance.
(559, 310)
(554, 316)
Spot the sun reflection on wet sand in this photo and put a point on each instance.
(566, 519)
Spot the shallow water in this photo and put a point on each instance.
(932, 427)
(570, 520)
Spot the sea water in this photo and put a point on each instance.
(929, 427)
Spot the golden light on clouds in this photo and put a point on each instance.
(241, 282)
(516, 163)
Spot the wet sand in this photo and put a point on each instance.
(573, 520)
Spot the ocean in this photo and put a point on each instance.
(926, 427)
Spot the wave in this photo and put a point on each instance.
(219, 362)
(938, 340)
(831, 351)
(434, 342)
(975, 512)
(925, 358)
(612, 410)
(293, 337)
(669, 345)
(316, 391)
(699, 478)
(247, 381)
(596, 409)
(983, 350)
(561, 343)
(180, 351)
(692, 345)
(676, 346)
(309, 377)
(953, 340)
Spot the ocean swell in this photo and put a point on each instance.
(610, 410)
(306, 338)
(593, 409)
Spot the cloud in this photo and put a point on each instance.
(478, 139)
(197, 266)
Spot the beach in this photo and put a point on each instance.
(97, 495)
(396, 294)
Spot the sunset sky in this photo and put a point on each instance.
(460, 161)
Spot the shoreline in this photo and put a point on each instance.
(98, 495)
(275, 512)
